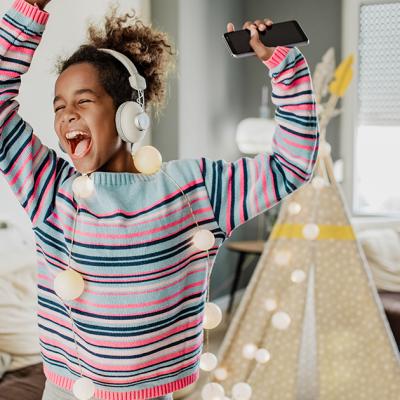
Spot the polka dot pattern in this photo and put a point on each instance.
(355, 351)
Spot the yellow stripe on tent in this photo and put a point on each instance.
(295, 231)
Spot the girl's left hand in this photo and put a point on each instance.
(262, 52)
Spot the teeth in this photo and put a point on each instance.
(75, 134)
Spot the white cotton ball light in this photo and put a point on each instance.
(241, 391)
(203, 239)
(208, 362)
(212, 316)
(270, 304)
(310, 231)
(281, 320)
(83, 389)
(148, 160)
(298, 276)
(213, 391)
(69, 285)
(221, 373)
(83, 187)
(318, 183)
(249, 351)
(294, 208)
(262, 356)
(282, 258)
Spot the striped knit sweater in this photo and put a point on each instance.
(139, 321)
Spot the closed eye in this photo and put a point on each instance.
(58, 108)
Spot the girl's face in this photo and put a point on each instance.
(85, 122)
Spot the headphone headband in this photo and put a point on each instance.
(136, 80)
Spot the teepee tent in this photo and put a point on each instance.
(310, 325)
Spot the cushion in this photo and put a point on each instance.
(382, 250)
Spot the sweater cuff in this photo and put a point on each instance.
(30, 11)
(278, 55)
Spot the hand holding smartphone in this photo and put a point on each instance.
(288, 33)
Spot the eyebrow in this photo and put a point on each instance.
(77, 92)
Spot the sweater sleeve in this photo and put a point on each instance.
(240, 190)
(31, 169)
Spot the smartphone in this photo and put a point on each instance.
(288, 33)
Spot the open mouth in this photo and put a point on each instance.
(79, 142)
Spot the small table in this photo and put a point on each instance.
(244, 248)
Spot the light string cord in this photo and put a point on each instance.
(312, 251)
(209, 269)
(68, 305)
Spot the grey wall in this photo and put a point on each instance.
(203, 106)
(211, 92)
(166, 126)
(320, 20)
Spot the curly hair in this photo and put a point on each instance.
(146, 47)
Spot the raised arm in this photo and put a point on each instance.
(245, 188)
(31, 169)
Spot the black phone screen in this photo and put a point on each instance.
(279, 34)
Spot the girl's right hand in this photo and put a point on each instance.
(40, 3)
(262, 52)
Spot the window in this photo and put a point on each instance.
(371, 112)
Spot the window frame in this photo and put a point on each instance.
(350, 106)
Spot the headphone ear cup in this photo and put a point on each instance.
(127, 122)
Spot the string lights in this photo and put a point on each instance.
(69, 284)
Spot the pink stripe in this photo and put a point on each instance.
(296, 107)
(139, 305)
(9, 48)
(138, 343)
(229, 200)
(266, 166)
(134, 213)
(254, 186)
(298, 145)
(296, 82)
(19, 172)
(145, 290)
(168, 270)
(17, 33)
(292, 166)
(292, 156)
(55, 319)
(119, 368)
(288, 73)
(34, 196)
(156, 216)
(143, 314)
(133, 343)
(150, 232)
(242, 189)
(155, 391)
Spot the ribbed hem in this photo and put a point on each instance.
(122, 178)
(278, 55)
(30, 11)
(157, 391)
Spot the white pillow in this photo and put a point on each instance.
(17, 249)
(382, 250)
(18, 321)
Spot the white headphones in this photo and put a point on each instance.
(131, 119)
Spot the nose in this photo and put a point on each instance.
(69, 115)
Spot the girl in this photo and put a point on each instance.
(122, 283)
